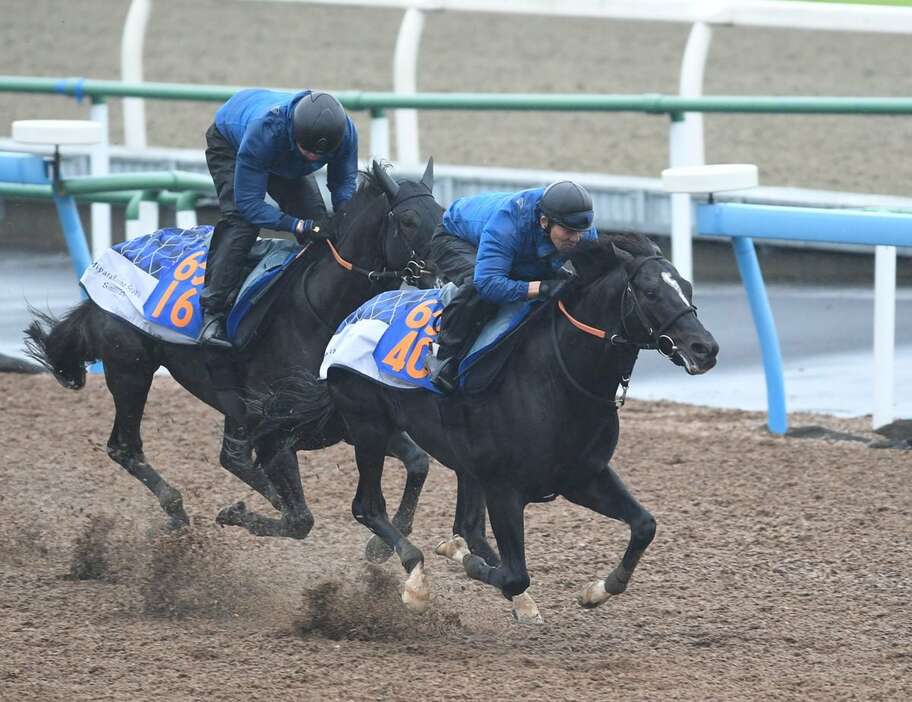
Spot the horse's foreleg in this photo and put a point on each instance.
(416, 466)
(511, 577)
(281, 465)
(237, 458)
(130, 388)
(369, 509)
(606, 494)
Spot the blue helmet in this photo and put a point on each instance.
(568, 204)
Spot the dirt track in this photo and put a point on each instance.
(780, 571)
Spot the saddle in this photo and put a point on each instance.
(154, 282)
(387, 340)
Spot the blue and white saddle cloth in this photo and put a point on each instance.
(389, 337)
(154, 282)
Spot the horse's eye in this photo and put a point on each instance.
(651, 294)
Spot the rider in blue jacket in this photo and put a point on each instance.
(263, 141)
(499, 248)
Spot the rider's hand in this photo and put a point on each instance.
(550, 288)
(310, 229)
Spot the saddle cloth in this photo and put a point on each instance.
(388, 338)
(154, 282)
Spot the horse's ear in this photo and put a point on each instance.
(390, 186)
(619, 254)
(427, 180)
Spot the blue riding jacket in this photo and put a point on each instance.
(512, 246)
(258, 123)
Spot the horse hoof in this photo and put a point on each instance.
(377, 551)
(525, 611)
(232, 515)
(454, 548)
(593, 595)
(416, 594)
(177, 522)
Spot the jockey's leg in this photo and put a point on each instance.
(606, 494)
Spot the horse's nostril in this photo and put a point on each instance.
(705, 349)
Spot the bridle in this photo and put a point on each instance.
(411, 272)
(414, 267)
(660, 341)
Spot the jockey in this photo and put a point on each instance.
(267, 141)
(500, 248)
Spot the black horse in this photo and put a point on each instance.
(382, 234)
(548, 427)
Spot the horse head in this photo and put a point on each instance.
(385, 229)
(413, 216)
(649, 304)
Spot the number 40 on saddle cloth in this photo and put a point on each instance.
(388, 338)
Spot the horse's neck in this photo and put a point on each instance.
(592, 362)
(331, 291)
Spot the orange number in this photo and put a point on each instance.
(182, 312)
(419, 316)
(398, 355)
(413, 360)
(187, 267)
(200, 279)
(164, 298)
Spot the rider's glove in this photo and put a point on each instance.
(550, 288)
(310, 229)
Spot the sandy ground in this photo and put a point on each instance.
(780, 571)
(781, 566)
(287, 44)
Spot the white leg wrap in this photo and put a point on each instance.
(454, 548)
(416, 595)
(525, 611)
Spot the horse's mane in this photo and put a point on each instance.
(594, 258)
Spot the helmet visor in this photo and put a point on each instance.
(577, 221)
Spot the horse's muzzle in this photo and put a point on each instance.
(697, 356)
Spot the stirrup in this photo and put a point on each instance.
(443, 374)
(213, 333)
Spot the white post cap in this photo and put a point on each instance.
(710, 179)
(57, 132)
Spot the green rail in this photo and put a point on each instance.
(651, 103)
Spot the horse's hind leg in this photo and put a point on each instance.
(606, 494)
(129, 387)
(237, 458)
(416, 464)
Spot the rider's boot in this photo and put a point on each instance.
(213, 333)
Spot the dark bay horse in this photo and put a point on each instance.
(548, 427)
(382, 234)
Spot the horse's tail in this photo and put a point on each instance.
(300, 407)
(64, 346)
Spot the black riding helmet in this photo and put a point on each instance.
(319, 123)
(568, 204)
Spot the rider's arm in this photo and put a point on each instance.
(342, 171)
(250, 179)
(496, 249)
